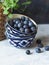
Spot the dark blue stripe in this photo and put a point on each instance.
(15, 42)
(17, 39)
(17, 45)
(16, 34)
(13, 34)
(20, 36)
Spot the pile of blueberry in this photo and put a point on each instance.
(38, 48)
(24, 25)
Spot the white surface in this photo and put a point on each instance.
(10, 55)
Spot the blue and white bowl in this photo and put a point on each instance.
(17, 38)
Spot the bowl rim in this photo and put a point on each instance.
(17, 17)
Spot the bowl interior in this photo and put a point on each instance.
(19, 16)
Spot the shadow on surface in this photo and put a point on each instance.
(45, 41)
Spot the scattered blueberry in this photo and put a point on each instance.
(40, 45)
(28, 52)
(23, 18)
(38, 50)
(47, 48)
(38, 41)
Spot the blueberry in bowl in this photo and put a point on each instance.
(19, 32)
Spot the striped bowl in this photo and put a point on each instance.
(17, 38)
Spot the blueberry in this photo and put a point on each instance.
(23, 18)
(32, 29)
(28, 52)
(40, 45)
(38, 50)
(19, 25)
(47, 48)
(21, 29)
(26, 19)
(26, 22)
(17, 22)
(30, 24)
(15, 25)
(38, 41)
(25, 26)
(26, 31)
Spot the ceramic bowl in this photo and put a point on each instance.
(18, 39)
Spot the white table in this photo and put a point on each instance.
(9, 55)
